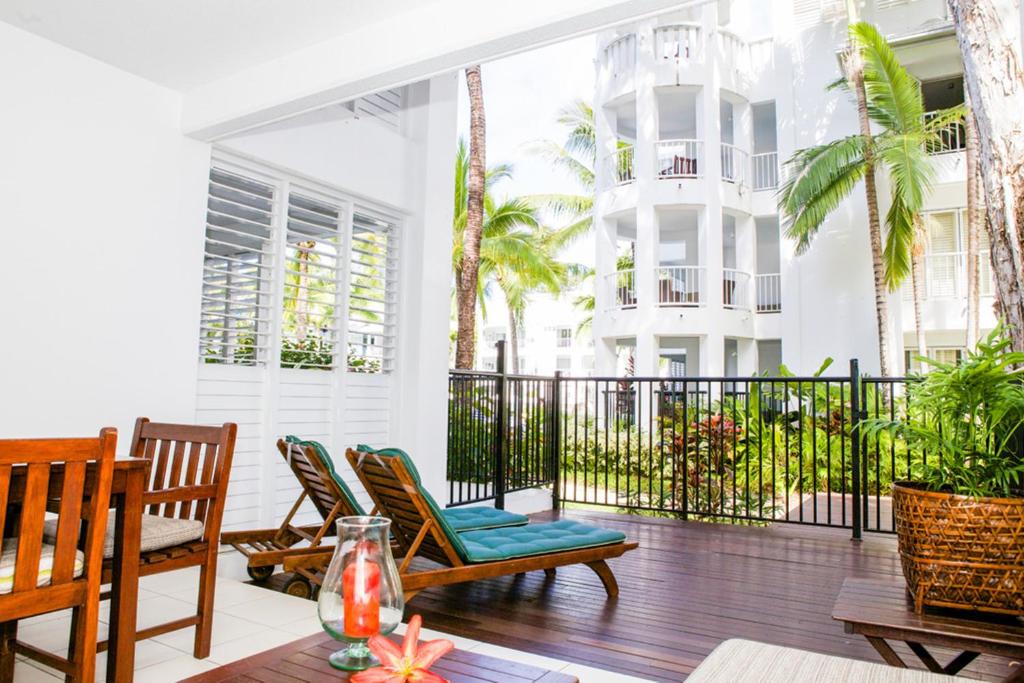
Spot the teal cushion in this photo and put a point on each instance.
(473, 518)
(328, 463)
(535, 539)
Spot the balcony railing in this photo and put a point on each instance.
(734, 163)
(680, 285)
(620, 55)
(765, 168)
(734, 51)
(735, 288)
(768, 292)
(680, 158)
(678, 42)
(952, 136)
(622, 286)
(622, 165)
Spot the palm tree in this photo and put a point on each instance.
(469, 260)
(975, 224)
(515, 251)
(821, 177)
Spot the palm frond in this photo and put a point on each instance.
(893, 96)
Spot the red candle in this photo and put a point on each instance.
(361, 587)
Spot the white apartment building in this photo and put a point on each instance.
(695, 113)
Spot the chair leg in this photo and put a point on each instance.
(601, 568)
(8, 634)
(207, 587)
(82, 645)
(550, 573)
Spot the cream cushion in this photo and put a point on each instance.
(752, 662)
(157, 532)
(10, 553)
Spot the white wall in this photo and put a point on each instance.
(100, 245)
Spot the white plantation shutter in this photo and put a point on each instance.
(943, 257)
(237, 269)
(372, 293)
(312, 272)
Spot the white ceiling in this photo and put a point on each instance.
(185, 43)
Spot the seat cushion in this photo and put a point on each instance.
(752, 662)
(473, 518)
(157, 532)
(489, 545)
(10, 554)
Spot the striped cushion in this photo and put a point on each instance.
(751, 662)
(157, 532)
(10, 554)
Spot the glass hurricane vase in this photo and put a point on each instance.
(361, 594)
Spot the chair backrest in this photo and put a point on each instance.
(188, 472)
(391, 480)
(75, 476)
(312, 466)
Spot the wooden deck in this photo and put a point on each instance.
(687, 588)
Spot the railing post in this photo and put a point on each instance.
(501, 430)
(556, 440)
(855, 443)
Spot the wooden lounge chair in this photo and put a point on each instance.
(333, 499)
(420, 529)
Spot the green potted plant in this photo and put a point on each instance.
(960, 523)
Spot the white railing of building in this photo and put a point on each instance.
(620, 55)
(680, 158)
(622, 165)
(680, 285)
(678, 42)
(768, 288)
(952, 136)
(622, 288)
(734, 51)
(734, 163)
(765, 168)
(735, 288)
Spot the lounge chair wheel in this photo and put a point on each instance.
(299, 587)
(260, 573)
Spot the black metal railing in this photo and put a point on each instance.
(751, 449)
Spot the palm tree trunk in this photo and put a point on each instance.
(917, 276)
(975, 219)
(513, 338)
(855, 74)
(467, 285)
(989, 35)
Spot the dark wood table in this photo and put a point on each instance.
(126, 499)
(882, 611)
(306, 660)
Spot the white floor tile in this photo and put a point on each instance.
(225, 628)
(302, 627)
(227, 593)
(170, 581)
(246, 647)
(174, 670)
(588, 674)
(161, 609)
(521, 657)
(272, 610)
(28, 673)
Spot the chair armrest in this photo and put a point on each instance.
(178, 494)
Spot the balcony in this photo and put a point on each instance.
(734, 51)
(952, 136)
(768, 292)
(679, 158)
(765, 171)
(622, 165)
(622, 286)
(678, 43)
(734, 164)
(680, 285)
(735, 289)
(620, 56)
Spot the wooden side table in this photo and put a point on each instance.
(881, 611)
(306, 660)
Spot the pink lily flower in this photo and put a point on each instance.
(408, 664)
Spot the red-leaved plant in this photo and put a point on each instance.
(408, 664)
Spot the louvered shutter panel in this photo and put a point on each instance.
(237, 269)
(312, 270)
(372, 293)
(943, 259)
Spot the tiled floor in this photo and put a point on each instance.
(248, 620)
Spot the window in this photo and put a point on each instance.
(563, 337)
(237, 269)
(372, 294)
(270, 235)
(950, 355)
(563, 363)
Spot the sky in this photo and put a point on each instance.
(522, 97)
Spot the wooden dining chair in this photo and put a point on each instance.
(38, 577)
(183, 504)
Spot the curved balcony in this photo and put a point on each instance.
(680, 158)
(735, 289)
(620, 56)
(622, 288)
(734, 164)
(765, 169)
(679, 43)
(621, 165)
(680, 285)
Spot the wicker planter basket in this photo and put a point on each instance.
(961, 552)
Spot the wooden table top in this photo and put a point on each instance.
(306, 660)
(885, 609)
